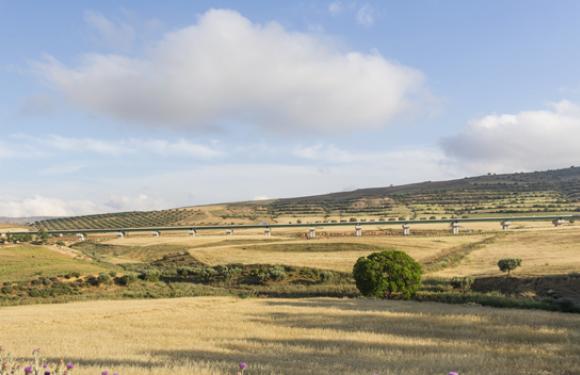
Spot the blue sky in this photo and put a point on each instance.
(123, 105)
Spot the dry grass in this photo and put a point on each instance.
(542, 253)
(543, 249)
(335, 254)
(211, 335)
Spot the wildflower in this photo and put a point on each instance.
(47, 372)
(70, 366)
(28, 370)
(453, 373)
(243, 366)
(105, 372)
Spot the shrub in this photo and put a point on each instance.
(6, 289)
(509, 264)
(277, 273)
(125, 279)
(103, 278)
(151, 275)
(462, 283)
(257, 276)
(326, 276)
(92, 281)
(387, 273)
(208, 274)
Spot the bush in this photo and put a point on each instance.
(462, 283)
(509, 264)
(7, 289)
(92, 281)
(277, 273)
(386, 274)
(103, 278)
(257, 276)
(151, 275)
(125, 279)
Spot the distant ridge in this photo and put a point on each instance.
(547, 192)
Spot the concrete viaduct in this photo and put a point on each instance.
(454, 225)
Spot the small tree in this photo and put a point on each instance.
(509, 264)
(386, 274)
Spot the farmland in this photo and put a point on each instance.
(212, 335)
(117, 289)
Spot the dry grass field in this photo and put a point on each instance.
(210, 335)
(336, 254)
(544, 249)
(542, 253)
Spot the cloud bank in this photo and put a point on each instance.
(226, 69)
(528, 140)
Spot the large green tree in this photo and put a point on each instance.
(387, 274)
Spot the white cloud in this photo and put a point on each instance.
(9, 150)
(365, 15)
(119, 35)
(43, 206)
(39, 205)
(332, 154)
(180, 147)
(70, 144)
(132, 146)
(227, 69)
(526, 140)
(139, 201)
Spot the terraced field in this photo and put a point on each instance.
(550, 192)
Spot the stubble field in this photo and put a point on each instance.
(210, 335)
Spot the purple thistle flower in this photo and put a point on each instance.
(47, 372)
(105, 372)
(44, 365)
(453, 373)
(70, 366)
(243, 366)
(28, 370)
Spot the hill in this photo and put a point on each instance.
(547, 192)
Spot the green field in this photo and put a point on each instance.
(24, 262)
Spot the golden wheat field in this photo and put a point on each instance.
(543, 250)
(211, 335)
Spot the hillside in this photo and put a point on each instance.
(547, 192)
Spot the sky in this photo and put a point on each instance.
(142, 105)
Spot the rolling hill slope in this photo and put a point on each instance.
(547, 192)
